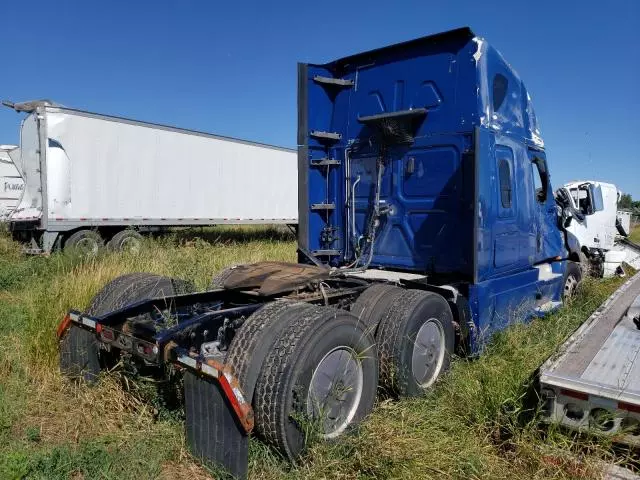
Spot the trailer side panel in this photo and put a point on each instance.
(109, 171)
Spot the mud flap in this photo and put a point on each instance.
(213, 433)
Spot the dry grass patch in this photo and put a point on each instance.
(479, 422)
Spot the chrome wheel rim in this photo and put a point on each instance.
(428, 353)
(335, 391)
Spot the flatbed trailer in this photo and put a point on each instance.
(593, 382)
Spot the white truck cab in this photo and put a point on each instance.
(592, 231)
(598, 203)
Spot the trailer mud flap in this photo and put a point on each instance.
(213, 431)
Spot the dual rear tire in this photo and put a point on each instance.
(80, 355)
(89, 242)
(313, 372)
(414, 333)
(319, 378)
(310, 371)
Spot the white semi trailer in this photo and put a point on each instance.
(11, 184)
(92, 178)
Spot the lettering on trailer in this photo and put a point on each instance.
(12, 187)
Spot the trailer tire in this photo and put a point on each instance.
(571, 280)
(125, 241)
(80, 355)
(315, 346)
(87, 242)
(218, 280)
(416, 339)
(372, 304)
(255, 338)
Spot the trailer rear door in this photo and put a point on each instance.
(11, 185)
(30, 206)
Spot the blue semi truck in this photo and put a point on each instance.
(427, 222)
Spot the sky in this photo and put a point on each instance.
(230, 67)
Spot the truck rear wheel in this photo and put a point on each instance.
(134, 287)
(373, 303)
(320, 377)
(415, 341)
(86, 242)
(254, 340)
(125, 241)
(80, 355)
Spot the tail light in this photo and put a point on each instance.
(107, 335)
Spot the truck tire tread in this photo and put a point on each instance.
(255, 338)
(373, 303)
(285, 365)
(134, 287)
(393, 340)
(218, 280)
(80, 355)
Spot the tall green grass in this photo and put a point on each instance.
(479, 422)
(635, 235)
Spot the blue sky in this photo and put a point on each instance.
(230, 67)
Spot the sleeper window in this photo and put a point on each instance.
(500, 84)
(505, 183)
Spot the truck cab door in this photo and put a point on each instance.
(548, 237)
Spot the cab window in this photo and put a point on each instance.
(584, 202)
(540, 179)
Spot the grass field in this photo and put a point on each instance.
(477, 422)
(635, 235)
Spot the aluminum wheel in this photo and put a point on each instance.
(570, 285)
(428, 353)
(131, 244)
(87, 246)
(335, 390)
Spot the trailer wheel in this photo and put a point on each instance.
(217, 282)
(125, 241)
(572, 279)
(415, 340)
(254, 340)
(86, 242)
(320, 378)
(80, 355)
(373, 303)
